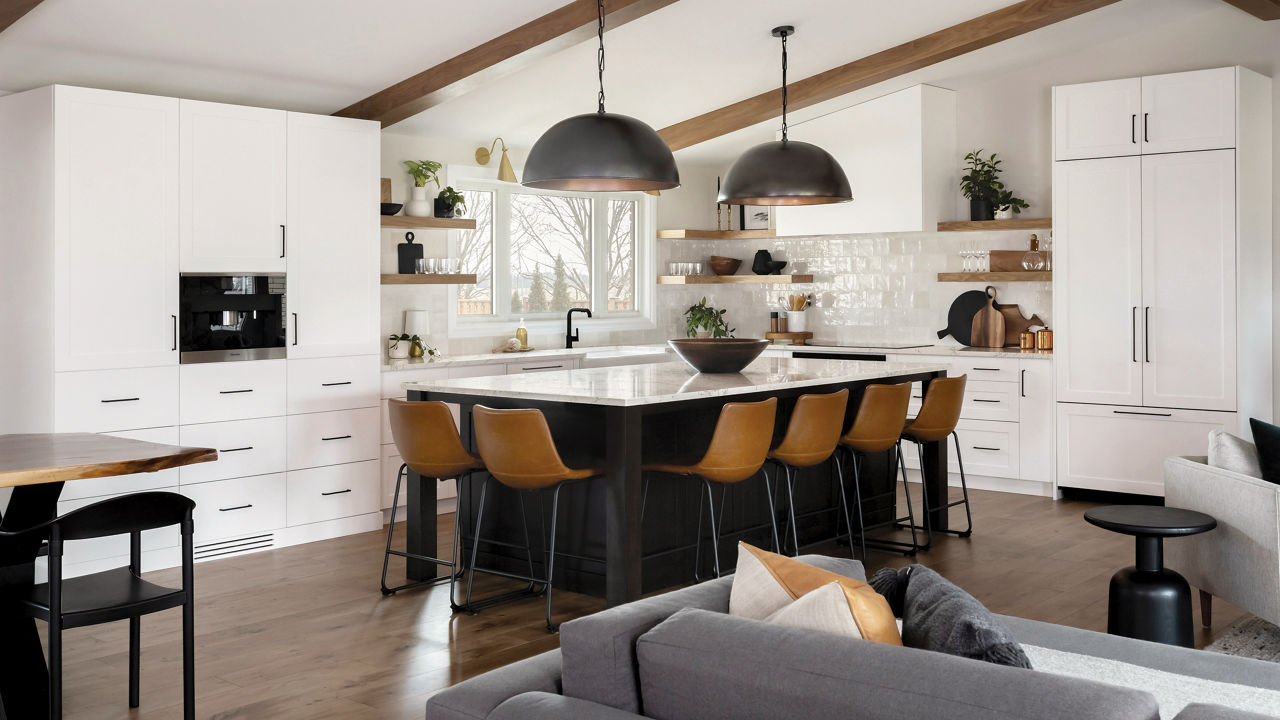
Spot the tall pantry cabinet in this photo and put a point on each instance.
(1162, 280)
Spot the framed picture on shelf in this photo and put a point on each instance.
(753, 217)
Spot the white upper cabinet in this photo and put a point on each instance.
(1178, 112)
(1097, 119)
(232, 189)
(899, 152)
(115, 198)
(1189, 111)
(333, 170)
(1097, 286)
(1189, 280)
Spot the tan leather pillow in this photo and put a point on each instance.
(766, 583)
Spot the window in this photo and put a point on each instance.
(536, 254)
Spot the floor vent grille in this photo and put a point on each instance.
(234, 546)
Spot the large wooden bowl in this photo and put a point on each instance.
(721, 265)
(718, 355)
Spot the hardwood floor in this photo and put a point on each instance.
(303, 632)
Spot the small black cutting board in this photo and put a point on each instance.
(960, 316)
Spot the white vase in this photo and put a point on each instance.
(398, 349)
(702, 333)
(796, 321)
(1005, 214)
(419, 205)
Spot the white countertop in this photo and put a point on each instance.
(655, 383)
(505, 357)
(950, 350)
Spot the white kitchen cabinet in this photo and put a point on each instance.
(232, 189)
(245, 447)
(332, 259)
(1189, 280)
(108, 400)
(1036, 421)
(213, 392)
(115, 230)
(331, 438)
(1097, 288)
(1097, 119)
(990, 449)
(899, 152)
(1189, 111)
(331, 492)
(237, 507)
(323, 384)
(1122, 449)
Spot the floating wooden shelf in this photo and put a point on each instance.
(733, 279)
(715, 234)
(428, 279)
(1010, 224)
(405, 222)
(796, 338)
(1021, 276)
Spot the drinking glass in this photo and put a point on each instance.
(420, 264)
(697, 268)
(984, 260)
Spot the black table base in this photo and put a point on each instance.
(1153, 606)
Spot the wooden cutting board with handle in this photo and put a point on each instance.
(988, 324)
(1015, 324)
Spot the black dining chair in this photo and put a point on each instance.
(116, 594)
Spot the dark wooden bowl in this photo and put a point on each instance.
(391, 208)
(718, 355)
(724, 265)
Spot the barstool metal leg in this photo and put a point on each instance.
(528, 545)
(551, 554)
(456, 568)
(844, 502)
(791, 505)
(715, 531)
(388, 552)
(924, 500)
(773, 515)
(856, 461)
(386, 555)
(906, 489)
(964, 487)
(475, 543)
(697, 546)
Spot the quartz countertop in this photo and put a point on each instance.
(497, 358)
(651, 384)
(948, 350)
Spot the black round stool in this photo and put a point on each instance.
(1149, 601)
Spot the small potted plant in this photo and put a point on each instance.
(1008, 205)
(423, 172)
(981, 184)
(703, 320)
(449, 202)
(404, 345)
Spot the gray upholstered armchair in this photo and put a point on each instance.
(1240, 560)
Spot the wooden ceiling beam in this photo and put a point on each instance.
(1002, 24)
(11, 11)
(551, 33)
(1261, 9)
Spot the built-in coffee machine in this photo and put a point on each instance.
(231, 317)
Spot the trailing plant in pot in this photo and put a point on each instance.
(404, 345)
(423, 172)
(449, 202)
(703, 320)
(982, 186)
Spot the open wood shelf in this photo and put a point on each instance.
(428, 279)
(796, 338)
(715, 234)
(1010, 224)
(733, 279)
(1020, 276)
(405, 222)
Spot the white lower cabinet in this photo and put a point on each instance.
(339, 383)
(1122, 449)
(237, 507)
(328, 493)
(245, 447)
(107, 400)
(988, 448)
(211, 392)
(99, 488)
(331, 438)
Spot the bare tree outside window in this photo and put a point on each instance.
(622, 255)
(475, 249)
(551, 238)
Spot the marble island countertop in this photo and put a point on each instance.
(655, 383)
(947, 350)
(493, 358)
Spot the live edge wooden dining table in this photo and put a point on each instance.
(615, 417)
(36, 466)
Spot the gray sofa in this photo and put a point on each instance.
(680, 656)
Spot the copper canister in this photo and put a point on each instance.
(1044, 339)
(1027, 340)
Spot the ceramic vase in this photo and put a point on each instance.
(419, 204)
(398, 349)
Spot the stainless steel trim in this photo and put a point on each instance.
(193, 357)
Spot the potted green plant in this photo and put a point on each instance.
(423, 172)
(703, 320)
(1008, 205)
(982, 186)
(449, 202)
(403, 345)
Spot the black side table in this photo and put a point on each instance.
(1149, 601)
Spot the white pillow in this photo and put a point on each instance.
(1228, 452)
(825, 610)
(756, 593)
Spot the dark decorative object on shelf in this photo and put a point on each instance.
(981, 209)
(764, 264)
(981, 184)
(718, 355)
(408, 253)
(449, 203)
(391, 208)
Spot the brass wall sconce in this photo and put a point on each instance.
(505, 172)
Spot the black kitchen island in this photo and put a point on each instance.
(619, 417)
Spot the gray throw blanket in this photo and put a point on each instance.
(937, 615)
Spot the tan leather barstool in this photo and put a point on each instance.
(813, 434)
(519, 452)
(939, 413)
(428, 442)
(877, 428)
(737, 451)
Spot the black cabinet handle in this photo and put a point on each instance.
(335, 492)
(1131, 412)
(238, 507)
(1133, 129)
(1022, 383)
(337, 437)
(116, 400)
(1145, 117)
(988, 369)
(175, 332)
(541, 367)
(1133, 334)
(979, 447)
(295, 328)
(1146, 333)
(239, 449)
(986, 401)
(344, 382)
(918, 397)
(234, 392)
(283, 239)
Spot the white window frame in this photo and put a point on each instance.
(502, 321)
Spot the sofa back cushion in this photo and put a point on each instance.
(599, 653)
(699, 665)
(1228, 452)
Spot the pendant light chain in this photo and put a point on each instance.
(784, 85)
(600, 52)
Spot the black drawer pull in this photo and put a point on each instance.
(336, 492)
(122, 400)
(337, 437)
(1131, 412)
(979, 447)
(918, 397)
(988, 369)
(541, 367)
(238, 507)
(986, 401)
(234, 392)
(246, 447)
(347, 382)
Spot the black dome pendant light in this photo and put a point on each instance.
(785, 172)
(601, 151)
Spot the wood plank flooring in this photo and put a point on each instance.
(303, 632)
